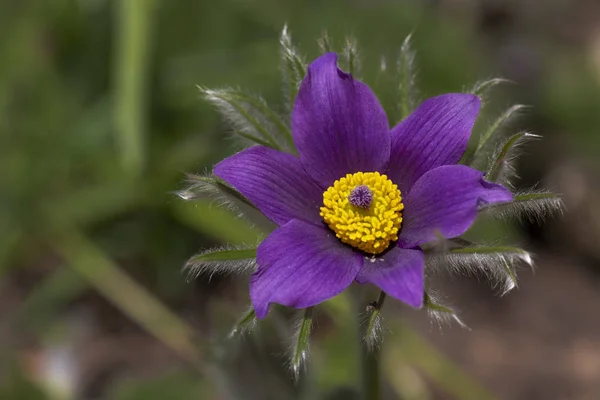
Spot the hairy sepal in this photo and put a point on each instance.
(441, 313)
(250, 118)
(300, 349)
(407, 78)
(492, 134)
(293, 67)
(245, 324)
(210, 186)
(324, 43)
(351, 56)
(534, 205)
(502, 165)
(481, 89)
(223, 260)
(496, 263)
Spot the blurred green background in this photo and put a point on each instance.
(100, 119)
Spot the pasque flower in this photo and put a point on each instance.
(360, 199)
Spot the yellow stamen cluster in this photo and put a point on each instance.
(368, 229)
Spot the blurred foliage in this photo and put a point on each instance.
(99, 119)
(173, 385)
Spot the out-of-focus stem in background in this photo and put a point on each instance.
(132, 49)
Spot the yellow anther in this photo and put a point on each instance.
(368, 228)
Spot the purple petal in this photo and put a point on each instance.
(275, 182)
(399, 273)
(435, 134)
(300, 265)
(338, 124)
(446, 200)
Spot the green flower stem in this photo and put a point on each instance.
(370, 371)
(370, 357)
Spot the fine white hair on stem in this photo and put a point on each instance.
(372, 323)
(374, 328)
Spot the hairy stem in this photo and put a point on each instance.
(370, 356)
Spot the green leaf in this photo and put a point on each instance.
(301, 344)
(245, 324)
(294, 68)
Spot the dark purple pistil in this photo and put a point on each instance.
(361, 196)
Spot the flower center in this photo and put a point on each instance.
(364, 211)
(361, 196)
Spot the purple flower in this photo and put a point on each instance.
(360, 199)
